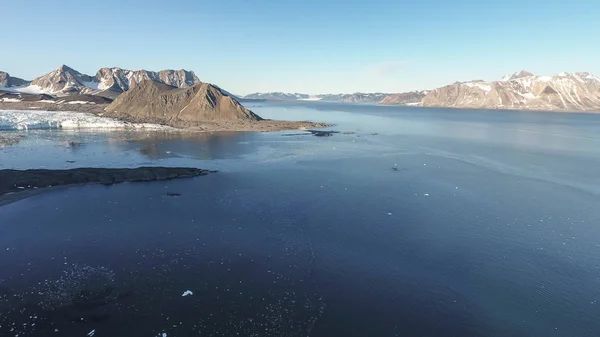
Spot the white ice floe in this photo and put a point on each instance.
(39, 119)
(10, 100)
(187, 293)
(91, 333)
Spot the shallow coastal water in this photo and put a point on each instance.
(487, 228)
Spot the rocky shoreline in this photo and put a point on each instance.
(20, 184)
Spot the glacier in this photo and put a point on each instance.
(40, 119)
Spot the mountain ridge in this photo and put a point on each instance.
(64, 81)
(577, 91)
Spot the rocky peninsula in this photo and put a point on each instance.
(19, 184)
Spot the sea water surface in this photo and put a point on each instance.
(409, 222)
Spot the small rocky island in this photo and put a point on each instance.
(18, 184)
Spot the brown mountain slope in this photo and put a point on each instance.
(405, 98)
(523, 90)
(153, 102)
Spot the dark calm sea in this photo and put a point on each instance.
(409, 222)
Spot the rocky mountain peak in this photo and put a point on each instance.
(120, 80)
(64, 80)
(65, 68)
(524, 73)
(514, 76)
(8, 81)
(162, 103)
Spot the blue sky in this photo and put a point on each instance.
(305, 46)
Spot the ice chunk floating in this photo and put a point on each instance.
(27, 120)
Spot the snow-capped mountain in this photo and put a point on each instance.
(65, 80)
(564, 91)
(277, 96)
(120, 80)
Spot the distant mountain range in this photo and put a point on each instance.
(578, 91)
(277, 96)
(353, 98)
(522, 90)
(108, 82)
(377, 97)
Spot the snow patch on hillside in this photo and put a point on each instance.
(483, 86)
(92, 85)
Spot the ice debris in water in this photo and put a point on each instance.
(426, 194)
(164, 334)
(187, 293)
(91, 333)
(389, 213)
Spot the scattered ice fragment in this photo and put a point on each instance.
(164, 334)
(187, 293)
(389, 213)
(426, 194)
(91, 333)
